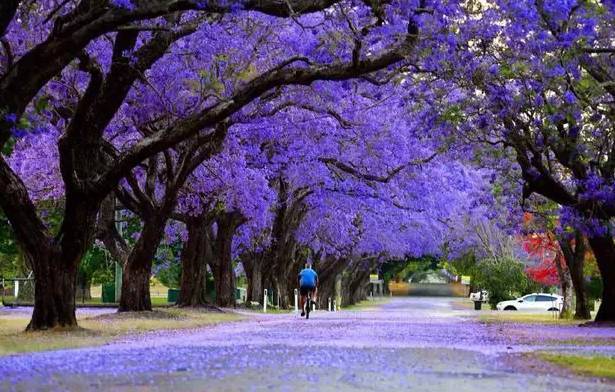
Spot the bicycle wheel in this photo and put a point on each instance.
(308, 306)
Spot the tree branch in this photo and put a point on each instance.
(332, 162)
(8, 9)
(249, 92)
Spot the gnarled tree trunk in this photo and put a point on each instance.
(196, 252)
(137, 271)
(54, 293)
(565, 282)
(327, 274)
(224, 276)
(56, 264)
(575, 258)
(253, 265)
(604, 250)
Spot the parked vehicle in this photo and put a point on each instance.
(536, 302)
(482, 296)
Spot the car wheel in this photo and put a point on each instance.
(510, 308)
(553, 310)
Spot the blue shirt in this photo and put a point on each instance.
(308, 278)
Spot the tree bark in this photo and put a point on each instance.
(196, 252)
(604, 250)
(253, 265)
(54, 293)
(135, 295)
(224, 276)
(565, 282)
(575, 259)
(83, 288)
(8, 8)
(137, 271)
(327, 274)
(56, 262)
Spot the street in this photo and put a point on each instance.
(413, 343)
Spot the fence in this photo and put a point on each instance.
(16, 291)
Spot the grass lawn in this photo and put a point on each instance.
(156, 301)
(97, 330)
(524, 318)
(598, 366)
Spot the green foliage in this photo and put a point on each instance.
(453, 115)
(404, 269)
(8, 147)
(9, 253)
(96, 267)
(462, 266)
(170, 276)
(504, 279)
(594, 288)
(168, 266)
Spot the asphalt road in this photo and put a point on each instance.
(418, 344)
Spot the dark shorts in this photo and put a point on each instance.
(304, 290)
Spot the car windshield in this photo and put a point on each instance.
(529, 298)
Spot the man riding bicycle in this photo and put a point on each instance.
(308, 283)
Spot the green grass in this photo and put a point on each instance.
(103, 329)
(156, 301)
(597, 366)
(583, 342)
(495, 317)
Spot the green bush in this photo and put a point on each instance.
(504, 279)
(594, 288)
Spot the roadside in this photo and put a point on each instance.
(100, 326)
(554, 345)
(417, 343)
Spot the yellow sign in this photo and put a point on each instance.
(465, 279)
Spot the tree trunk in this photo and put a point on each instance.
(253, 265)
(565, 280)
(54, 294)
(135, 295)
(56, 265)
(281, 293)
(83, 288)
(355, 280)
(194, 265)
(358, 287)
(604, 250)
(575, 258)
(578, 284)
(137, 271)
(224, 281)
(224, 276)
(327, 274)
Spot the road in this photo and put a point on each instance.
(419, 344)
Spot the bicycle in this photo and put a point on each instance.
(308, 305)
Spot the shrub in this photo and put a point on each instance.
(503, 278)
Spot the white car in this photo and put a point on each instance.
(537, 302)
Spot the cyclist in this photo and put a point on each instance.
(308, 282)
